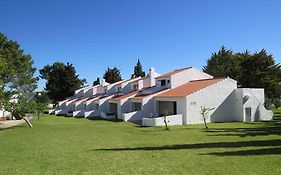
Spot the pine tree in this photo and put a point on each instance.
(112, 75)
(62, 80)
(138, 72)
(97, 82)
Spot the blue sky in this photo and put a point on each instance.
(165, 34)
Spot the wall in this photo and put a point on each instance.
(214, 96)
(188, 75)
(159, 121)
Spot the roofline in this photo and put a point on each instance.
(176, 71)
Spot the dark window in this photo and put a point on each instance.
(163, 82)
(168, 81)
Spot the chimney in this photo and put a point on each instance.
(152, 75)
(103, 83)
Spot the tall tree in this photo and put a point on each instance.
(17, 71)
(96, 82)
(62, 80)
(223, 63)
(112, 75)
(138, 72)
(257, 70)
(260, 70)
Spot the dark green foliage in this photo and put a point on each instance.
(138, 72)
(257, 70)
(17, 71)
(97, 82)
(112, 75)
(62, 80)
(42, 97)
(222, 64)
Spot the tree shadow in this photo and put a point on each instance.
(259, 143)
(255, 152)
(261, 129)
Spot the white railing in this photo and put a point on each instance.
(159, 121)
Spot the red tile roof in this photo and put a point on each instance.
(142, 96)
(190, 87)
(173, 72)
(117, 98)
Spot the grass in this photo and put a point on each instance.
(58, 145)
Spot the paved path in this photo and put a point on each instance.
(10, 123)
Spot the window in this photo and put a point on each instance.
(119, 89)
(97, 106)
(135, 86)
(137, 106)
(168, 81)
(85, 106)
(163, 82)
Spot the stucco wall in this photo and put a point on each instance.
(188, 75)
(159, 121)
(214, 96)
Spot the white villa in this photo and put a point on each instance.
(179, 95)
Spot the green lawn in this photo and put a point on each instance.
(58, 145)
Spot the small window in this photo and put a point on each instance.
(97, 106)
(85, 106)
(119, 89)
(163, 82)
(135, 86)
(168, 81)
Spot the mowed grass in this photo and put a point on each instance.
(58, 145)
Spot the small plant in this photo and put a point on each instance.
(205, 114)
(165, 120)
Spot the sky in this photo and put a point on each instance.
(165, 34)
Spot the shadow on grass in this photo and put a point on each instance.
(260, 143)
(261, 129)
(99, 118)
(255, 152)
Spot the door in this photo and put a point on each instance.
(248, 113)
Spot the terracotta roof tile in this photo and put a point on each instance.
(117, 98)
(190, 87)
(173, 72)
(142, 96)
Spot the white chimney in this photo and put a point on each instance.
(152, 75)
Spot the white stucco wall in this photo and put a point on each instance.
(214, 96)
(159, 121)
(188, 75)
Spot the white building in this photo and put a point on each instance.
(179, 95)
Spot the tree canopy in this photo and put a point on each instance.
(16, 69)
(62, 80)
(96, 82)
(138, 72)
(257, 70)
(112, 75)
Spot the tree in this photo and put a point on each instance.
(112, 75)
(205, 114)
(16, 69)
(222, 64)
(138, 72)
(62, 80)
(97, 82)
(257, 70)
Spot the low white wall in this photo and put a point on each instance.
(5, 113)
(92, 113)
(79, 113)
(159, 121)
(132, 116)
